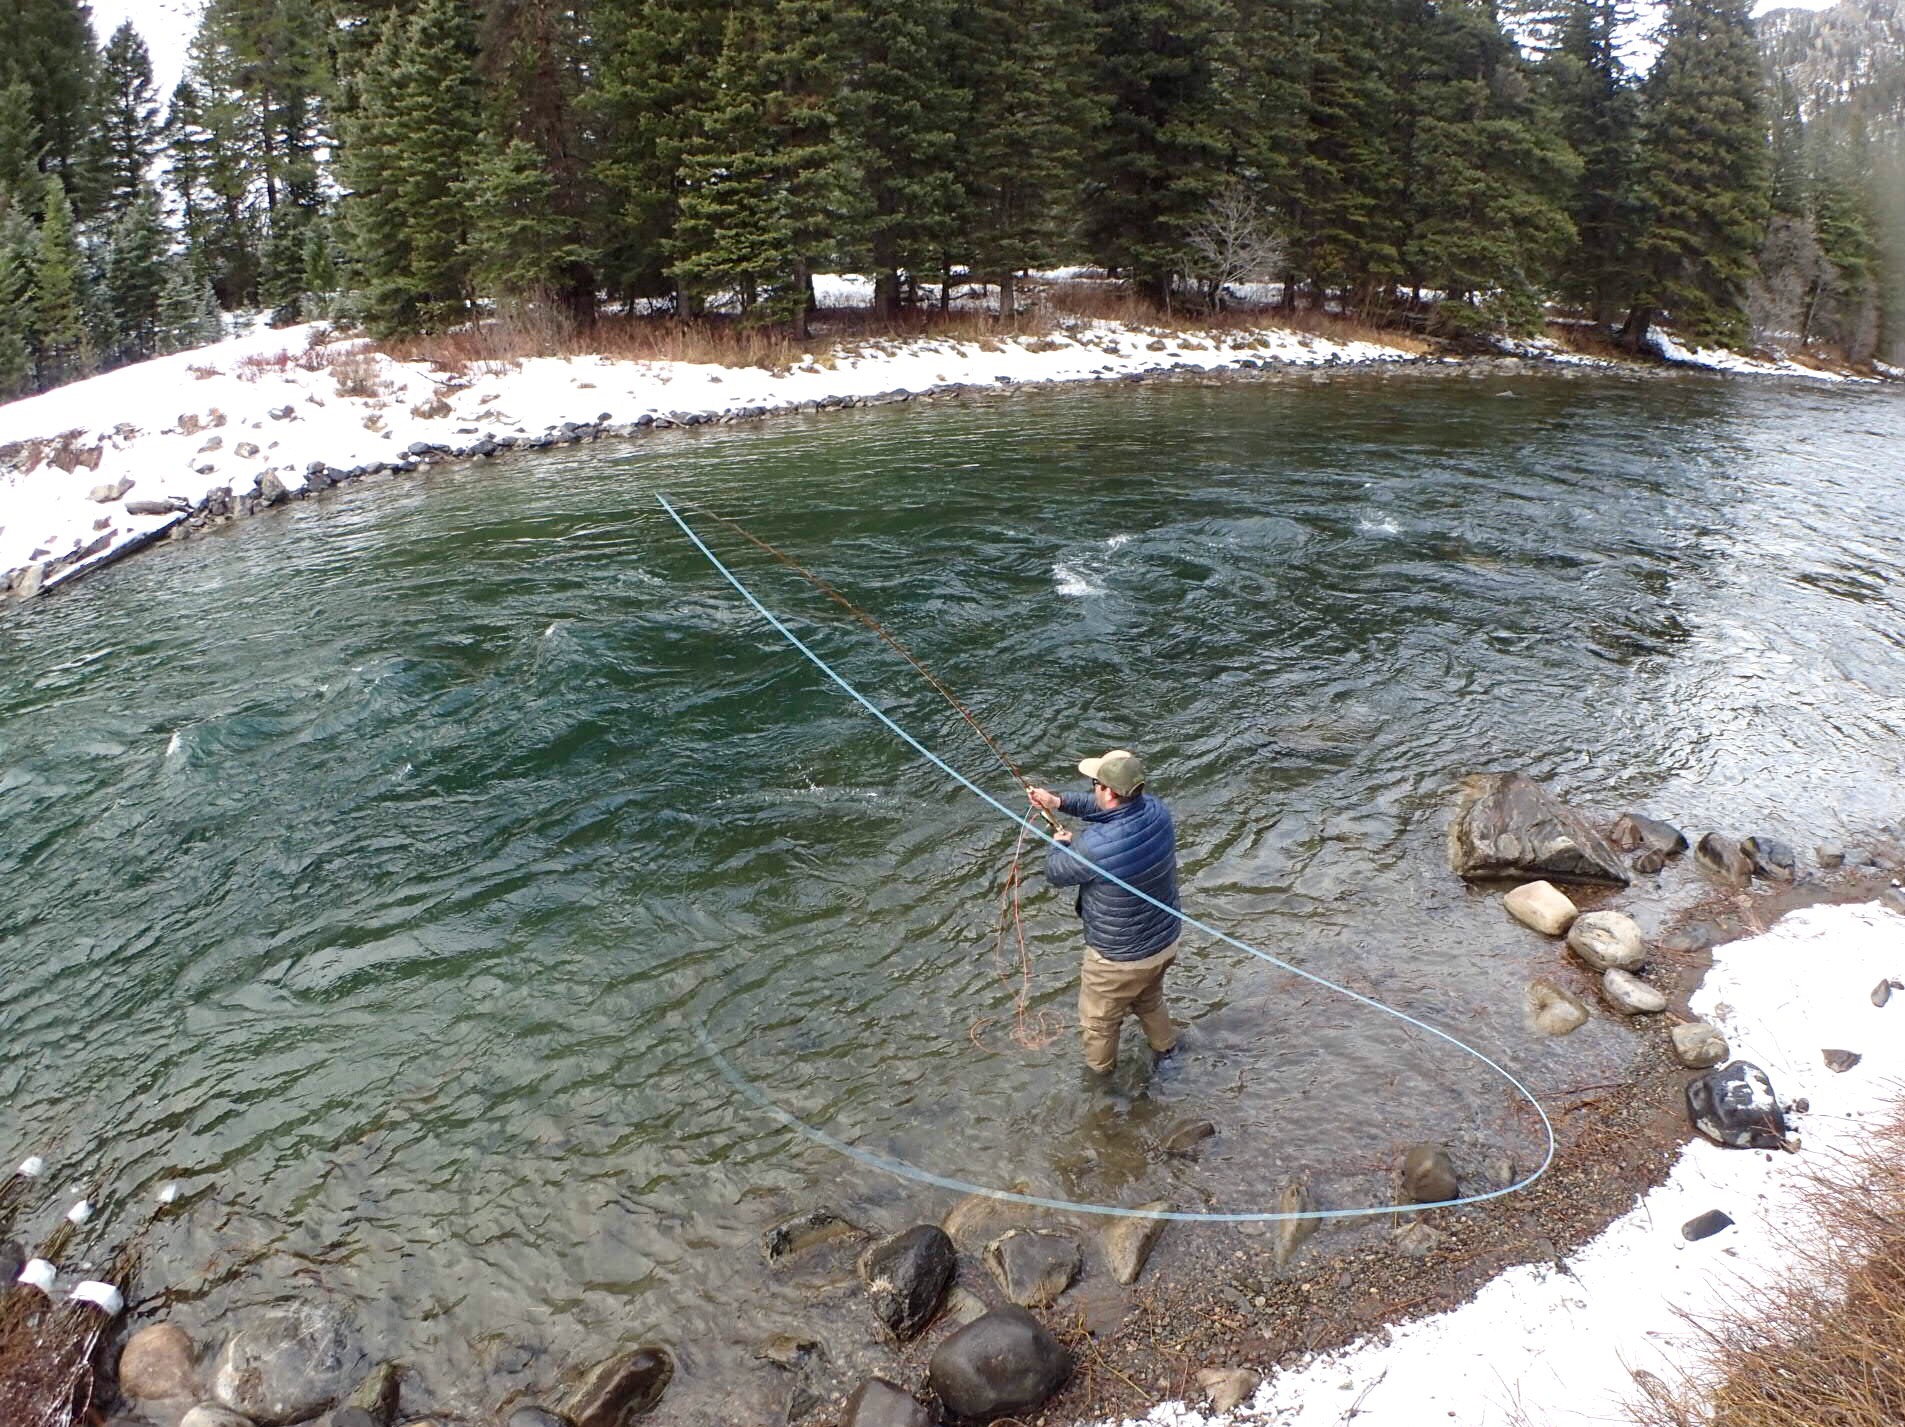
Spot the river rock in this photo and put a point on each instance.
(1840, 1061)
(1507, 825)
(1417, 1238)
(1226, 1387)
(211, 1414)
(1771, 859)
(27, 581)
(353, 1417)
(271, 490)
(12, 1260)
(962, 1306)
(1736, 1106)
(1128, 1241)
(289, 1365)
(1723, 857)
(1830, 855)
(1033, 1267)
(376, 1396)
(1695, 936)
(107, 494)
(1704, 1226)
(1698, 1045)
(1541, 905)
(1002, 1365)
(1882, 992)
(1628, 994)
(793, 1237)
(1607, 939)
(1555, 1012)
(878, 1403)
(1290, 1234)
(1428, 1175)
(623, 1388)
(1648, 860)
(978, 1219)
(1632, 831)
(1187, 1138)
(906, 1276)
(530, 1415)
(158, 1362)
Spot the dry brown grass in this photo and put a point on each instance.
(1586, 339)
(512, 336)
(1826, 1346)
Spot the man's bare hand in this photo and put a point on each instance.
(1042, 798)
(1064, 834)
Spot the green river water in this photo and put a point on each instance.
(367, 867)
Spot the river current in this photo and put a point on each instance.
(368, 867)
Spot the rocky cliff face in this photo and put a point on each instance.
(1851, 57)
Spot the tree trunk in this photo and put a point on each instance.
(1640, 319)
(1008, 296)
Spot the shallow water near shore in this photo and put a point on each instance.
(368, 867)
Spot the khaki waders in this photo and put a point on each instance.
(1108, 991)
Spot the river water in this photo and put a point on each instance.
(369, 867)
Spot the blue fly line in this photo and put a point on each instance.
(904, 1170)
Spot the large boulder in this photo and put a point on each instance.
(1507, 826)
(906, 1276)
(1607, 939)
(1736, 1106)
(618, 1391)
(290, 1365)
(1002, 1365)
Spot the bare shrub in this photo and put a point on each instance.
(1827, 1344)
(355, 373)
(1233, 242)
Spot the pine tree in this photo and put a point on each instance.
(1020, 146)
(1705, 166)
(16, 307)
(60, 349)
(212, 183)
(655, 61)
(127, 136)
(1268, 58)
(1489, 174)
(1161, 154)
(47, 45)
(135, 277)
(533, 70)
(1597, 111)
(523, 246)
(188, 308)
(19, 150)
(267, 65)
(408, 148)
(898, 118)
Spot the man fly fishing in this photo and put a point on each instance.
(1129, 942)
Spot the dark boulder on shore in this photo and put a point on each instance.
(906, 1276)
(1736, 1106)
(1002, 1365)
(1507, 826)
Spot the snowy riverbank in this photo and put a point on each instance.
(94, 470)
(1570, 1346)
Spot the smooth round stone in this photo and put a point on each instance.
(1554, 1011)
(157, 1363)
(1698, 1045)
(1629, 994)
(1428, 1175)
(1541, 905)
(1607, 939)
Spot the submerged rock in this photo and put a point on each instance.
(621, 1389)
(1507, 825)
(792, 1237)
(158, 1362)
(1736, 1106)
(1541, 905)
(1033, 1267)
(1002, 1365)
(530, 1415)
(1554, 1011)
(212, 1414)
(288, 1366)
(906, 1276)
(1292, 1233)
(1428, 1175)
(1627, 993)
(1607, 939)
(1187, 1138)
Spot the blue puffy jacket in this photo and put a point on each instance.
(1135, 842)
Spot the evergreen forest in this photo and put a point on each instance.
(1455, 166)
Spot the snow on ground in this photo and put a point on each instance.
(1720, 360)
(177, 428)
(1562, 1349)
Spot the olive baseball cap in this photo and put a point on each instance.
(1119, 770)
